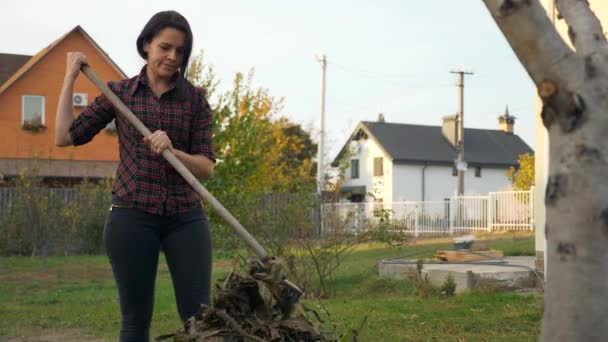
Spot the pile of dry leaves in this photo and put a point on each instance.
(257, 306)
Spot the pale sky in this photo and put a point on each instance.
(388, 56)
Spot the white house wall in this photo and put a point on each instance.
(403, 182)
(388, 180)
(407, 182)
(440, 184)
(380, 187)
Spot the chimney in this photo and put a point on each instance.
(380, 117)
(506, 122)
(449, 129)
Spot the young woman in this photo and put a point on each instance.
(152, 206)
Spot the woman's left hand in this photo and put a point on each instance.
(158, 141)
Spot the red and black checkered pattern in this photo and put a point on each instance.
(143, 179)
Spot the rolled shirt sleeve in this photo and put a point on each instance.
(93, 119)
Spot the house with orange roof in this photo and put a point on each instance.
(29, 92)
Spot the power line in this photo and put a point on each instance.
(392, 78)
(378, 75)
(371, 102)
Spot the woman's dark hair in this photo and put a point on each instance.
(160, 21)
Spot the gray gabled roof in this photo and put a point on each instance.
(426, 144)
(9, 64)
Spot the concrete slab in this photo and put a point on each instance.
(509, 275)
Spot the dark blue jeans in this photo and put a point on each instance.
(133, 239)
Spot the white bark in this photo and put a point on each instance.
(584, 28)
(574, 90)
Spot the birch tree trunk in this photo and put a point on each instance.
(573, 85)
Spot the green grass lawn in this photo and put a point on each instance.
(75, 299)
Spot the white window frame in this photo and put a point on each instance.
(478, 171)
(43, 121)
(352, 168)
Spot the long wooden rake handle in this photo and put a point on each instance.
(177, 165)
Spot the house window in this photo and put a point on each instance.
(32, 114)
(454, 171)
(378, 171)
(478, 171)
(354, 168)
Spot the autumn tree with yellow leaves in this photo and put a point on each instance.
(258, 150)
(522, 178)
(260, 153)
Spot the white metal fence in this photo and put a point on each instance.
(509, 210)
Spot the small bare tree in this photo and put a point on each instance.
(573, 85)
(34, 219)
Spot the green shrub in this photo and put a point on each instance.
(448, 288)
(41, 221)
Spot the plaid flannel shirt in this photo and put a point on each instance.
(145, 180)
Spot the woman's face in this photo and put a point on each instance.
(165, 52)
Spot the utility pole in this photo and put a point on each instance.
(320, 180)
(460, 165)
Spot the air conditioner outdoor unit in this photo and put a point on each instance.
(80, 99)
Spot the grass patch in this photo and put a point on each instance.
(513, 246)
(78, 294)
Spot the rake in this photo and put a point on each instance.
(207, 197)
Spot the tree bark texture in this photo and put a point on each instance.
(573, 86)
